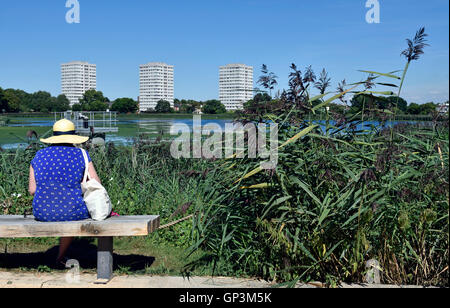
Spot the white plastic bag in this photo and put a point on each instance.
(95, 195)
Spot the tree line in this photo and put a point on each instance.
(394, 103)
(264, 103)
(15, 101)
(189, 106)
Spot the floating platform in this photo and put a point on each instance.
(88, 123)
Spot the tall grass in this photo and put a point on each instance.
(331, 205)
(337, 198)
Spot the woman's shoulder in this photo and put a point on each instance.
(41, 154)
(58, 150)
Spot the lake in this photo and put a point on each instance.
(14, 134)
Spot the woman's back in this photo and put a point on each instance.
(58, 172)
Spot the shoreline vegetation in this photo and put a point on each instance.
(337, 198)
(228, 115)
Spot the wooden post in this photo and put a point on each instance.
(104, 259)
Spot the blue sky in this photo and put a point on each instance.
(197, 36)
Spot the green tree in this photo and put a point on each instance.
(390, 103)
(61, 103)
(97, 106)
(413, 108)
(77, 107)
(377, 102)
(213, 107)
(12, 99)
(258, 102)
(366, 101)
(428, 108)
(357, 102)
(177, 104)
(188, 106)
(337, 108)
(163, 107)
(262, 97)
(41, 101)
(124, 105)
(18, 100)
(402, 104)
(3, 102)
(94, 100)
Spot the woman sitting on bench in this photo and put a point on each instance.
(56, 173)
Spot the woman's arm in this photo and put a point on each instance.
(93, 173)
(32, 182)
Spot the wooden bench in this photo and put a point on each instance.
(27, 227)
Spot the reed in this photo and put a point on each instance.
(336, 199)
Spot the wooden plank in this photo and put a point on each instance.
(12, 226)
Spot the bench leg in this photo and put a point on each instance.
(104, 260)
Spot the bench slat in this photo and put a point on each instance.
(12, 226)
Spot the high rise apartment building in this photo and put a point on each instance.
(76, 78)
(155, 84)
(235, 85)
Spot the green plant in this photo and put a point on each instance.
(339, 196)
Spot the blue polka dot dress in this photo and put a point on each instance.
(59, 171)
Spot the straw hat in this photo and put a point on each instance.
(64, 132)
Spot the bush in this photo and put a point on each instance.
(124, 105)
(213, 107)
(163, 107)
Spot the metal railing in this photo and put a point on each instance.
(90, 122)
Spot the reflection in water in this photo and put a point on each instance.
(164, 126)
(154, 127)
